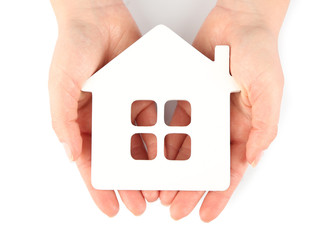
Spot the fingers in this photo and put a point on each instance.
(151, 146)
(178, 146)
(134, 201)
(174, 143)
(215, 202)
(138, 152)
(144, 113)
(240, 126)
(166, 197)
(184, 203)
(105, 200)
(151, 195)
(75, 60)
(183, 152)
(147, 117)
(182, 114)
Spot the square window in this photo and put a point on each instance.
(177, 146)
(144, 113)
(177, 113)
(143, 146)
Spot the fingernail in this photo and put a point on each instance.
(68, 152)
(256, 161)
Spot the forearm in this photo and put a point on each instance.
(270, 13)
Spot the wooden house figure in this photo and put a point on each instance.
(161, 66)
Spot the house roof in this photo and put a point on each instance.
(162, 57)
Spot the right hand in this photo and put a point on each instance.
(90, 35)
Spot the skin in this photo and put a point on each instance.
(251, 29)
(89, 37)
(91, 33)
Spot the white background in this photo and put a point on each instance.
(41, 193)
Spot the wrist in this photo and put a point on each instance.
(264, 14)
(83, 11)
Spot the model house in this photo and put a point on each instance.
(161, 67)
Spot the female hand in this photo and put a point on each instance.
(251, 29)
(91, 33)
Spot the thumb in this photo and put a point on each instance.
(75, 59)
(72, 64)
(64, 94)
(265, 99)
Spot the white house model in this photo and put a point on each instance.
(161, 66)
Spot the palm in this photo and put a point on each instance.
(83, 48)
(254, 56)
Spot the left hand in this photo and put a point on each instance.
(256, 67)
